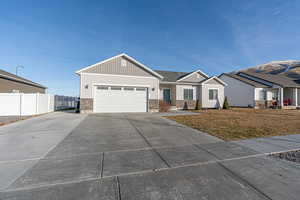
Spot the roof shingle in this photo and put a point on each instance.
(11, 76)
(281, 80)
(170, 76)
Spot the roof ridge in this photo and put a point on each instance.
(7, 74)
(170, 71)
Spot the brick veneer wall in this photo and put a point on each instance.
(263, 104)
(153, 105)
(186, 104)
(86, 105)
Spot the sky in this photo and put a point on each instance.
(53, 39)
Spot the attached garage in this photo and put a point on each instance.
(119, 84)
(119, 99)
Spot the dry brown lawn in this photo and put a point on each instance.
(243, 123)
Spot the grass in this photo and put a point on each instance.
(243, 123)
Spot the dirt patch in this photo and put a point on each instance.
(242, 123)
(293, 156)
(11, 119)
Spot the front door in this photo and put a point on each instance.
(167, 95)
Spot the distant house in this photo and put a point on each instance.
(261, 90)
(123, 84)
(10, 83)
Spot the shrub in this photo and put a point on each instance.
(198, 105)
(226, 104)
(164, 106)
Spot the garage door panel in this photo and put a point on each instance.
(128, 99)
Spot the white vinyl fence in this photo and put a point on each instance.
(19, 104)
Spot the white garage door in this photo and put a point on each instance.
(109, 99)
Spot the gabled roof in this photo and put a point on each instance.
(215, 78)
(246, 80)
(126, 56)
(191, 73)
(170, 76)
(277, 79)
(10, 76)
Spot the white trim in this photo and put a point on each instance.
(145, 86)
(119, 75)
(121, 55)
(106, 84)
(216, 78)
(189, 88)
(217, 94)
(197, 71)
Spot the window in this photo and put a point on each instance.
(188, 94)
(102, 88)
(213, 94)
(275, 95)
(129, 88)
(262, 95)
(115, 88)
(140, 89)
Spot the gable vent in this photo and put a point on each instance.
(123, 63)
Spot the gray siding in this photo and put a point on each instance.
(213, 82)
(238, 93)
(7, 86)
(193, 78)
(114, 67)
(90, 80)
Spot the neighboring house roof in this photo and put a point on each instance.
(126, 56)
(280, 80)
(246, 80)
(10, 76)
(170, 76)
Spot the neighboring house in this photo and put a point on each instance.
(261, 90)
(10, 83)
(122, 84)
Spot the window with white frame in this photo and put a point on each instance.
(275, 95)
(213, 94)
(188, 94)
(262, 95)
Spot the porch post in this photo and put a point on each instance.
(281, 97)
(296, 96)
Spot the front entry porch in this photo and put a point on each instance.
(285, 98)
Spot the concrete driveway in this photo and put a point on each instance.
(135, 156)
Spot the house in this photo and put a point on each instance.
(123, 84)
(261, 90)
(10, 83)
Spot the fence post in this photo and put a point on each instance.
(37, 103)
(20, 106)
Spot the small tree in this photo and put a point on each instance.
(198, 105)
(226, 104)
